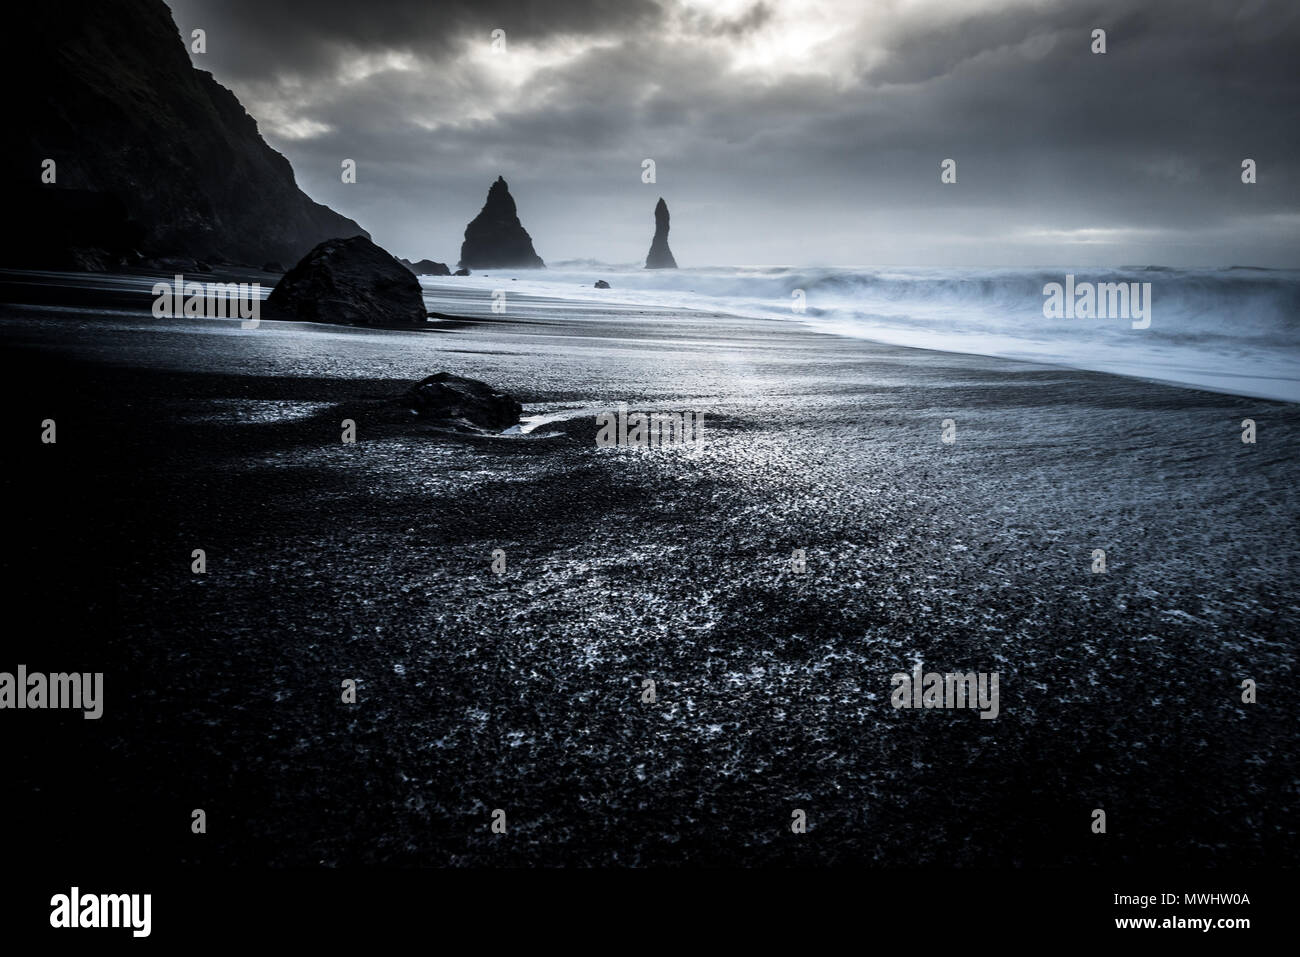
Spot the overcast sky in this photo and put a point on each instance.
(791, 132)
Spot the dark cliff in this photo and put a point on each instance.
(152, 154)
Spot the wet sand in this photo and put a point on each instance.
(372, 562)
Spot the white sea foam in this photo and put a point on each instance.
(1232, 330)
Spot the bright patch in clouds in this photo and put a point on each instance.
(520, 63)
(279, 120)
(359, 68)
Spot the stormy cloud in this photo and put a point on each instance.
(788, 132)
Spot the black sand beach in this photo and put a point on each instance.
(372, 561)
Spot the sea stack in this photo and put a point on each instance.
(496, 238)
(661, 257)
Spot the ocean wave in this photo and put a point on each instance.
(1235, 329)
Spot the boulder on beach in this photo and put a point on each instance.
(601, 284)
(273, 266)
(349, 281)
(462, 271)
(660, 257)
(427, 267)
(458, 400)
(496, 238)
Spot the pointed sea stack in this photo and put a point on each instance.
(496, 239)
(661, 257)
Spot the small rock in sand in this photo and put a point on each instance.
(456, 399)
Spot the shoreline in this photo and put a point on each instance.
(101, 287)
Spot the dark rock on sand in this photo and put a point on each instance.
(601, 284)
(458, 400)
(349, 281)
(150, 154)
(462, 271)
(427, 267)
(660, 257)
(273, 266)
(495, 237)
